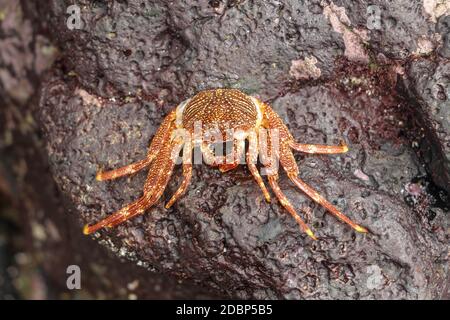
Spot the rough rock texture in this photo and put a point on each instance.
(430, 86)
(38, 239)
(175, 48)
(133, 61)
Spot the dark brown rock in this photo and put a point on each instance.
(429, 88)
(132, 62)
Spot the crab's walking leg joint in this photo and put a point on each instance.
(124, 171)
(157, 180)
(158, 176)
(323, 202)
(288, 206)
(187, 174)
(151, 198)
(160, 137)
(252, 157)
(318, 148)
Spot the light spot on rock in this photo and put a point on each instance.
(436, 8)
(52, 230)
(132, 296)
(133, 285)
(375, 280)
(361, 175)
(353, 38)
(38, 231)
(304, 69)
(88, 99)
(424, 46)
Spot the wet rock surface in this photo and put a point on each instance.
(430, 86)
(132, 62)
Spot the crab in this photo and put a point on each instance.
(238, 119)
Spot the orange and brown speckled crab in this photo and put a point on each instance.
(222, 109)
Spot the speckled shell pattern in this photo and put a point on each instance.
(221, 109)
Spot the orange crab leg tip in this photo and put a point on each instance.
(86, 230)
(266, 195)
(168, 205)
(98, 176)
(361, 229)
(344, 147)
(311, 234)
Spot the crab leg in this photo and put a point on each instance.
(123, 171)
(154, 197)
(153, 189)
(323, 202)
(287, 161)
(318, 148)
(276, 188)
(187, 174)
(289, 164)
(157, 142)
(131, 209)
(155, 185)
(134, 208)
(288, 206)
(252, 156)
